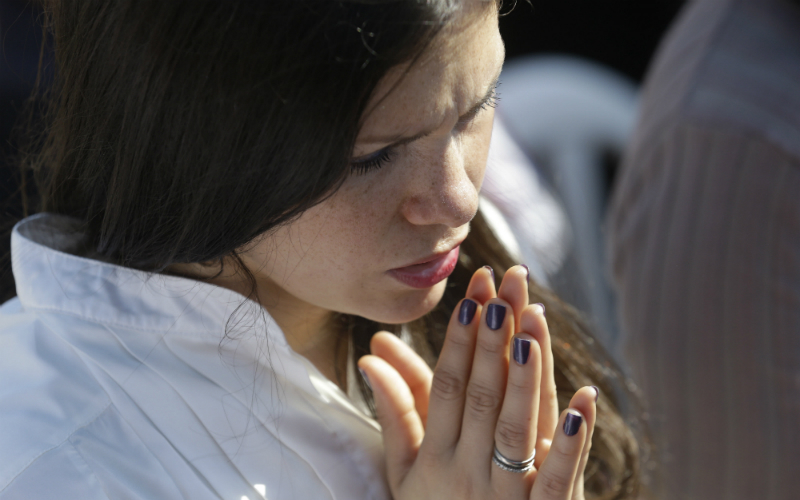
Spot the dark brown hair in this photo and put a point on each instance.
(179, 131)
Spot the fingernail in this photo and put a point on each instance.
(596, 393)
(495, 316)
(572, 423)
(542, 306)
(364, 376)
(522, 349)
(467, 311)
(527, 271)
(490, 270)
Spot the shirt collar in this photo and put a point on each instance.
(48, 276)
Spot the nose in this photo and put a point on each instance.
(444, 187)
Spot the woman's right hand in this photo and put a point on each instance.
(440, 428)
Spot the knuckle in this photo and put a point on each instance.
(481, 400)
(446, 386)
(520, 385)
(550, 391)
(491, 345)
(560, 455)
(460, 340)
(511, 434)
(552, 484)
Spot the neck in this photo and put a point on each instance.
(311, 331)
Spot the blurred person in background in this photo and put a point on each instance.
(705, 248)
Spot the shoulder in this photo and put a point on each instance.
(46, 395)
(100, 460)
(728, 63)
(62, 435)
(46, 392)
(720, 172)
(59, 472)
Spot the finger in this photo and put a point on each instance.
(585, 401)
(487, 383)
(535, 324)
(514, 290)
(409, 365)
(401, 426)
(450, 377)
(515, 434)
(481, 286)
(556, 478)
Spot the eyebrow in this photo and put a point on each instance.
(399, 140)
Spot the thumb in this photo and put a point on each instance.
(401, 425)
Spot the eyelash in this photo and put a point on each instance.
(491, 102)
(378, 159)
(494, 98)
(373, 162)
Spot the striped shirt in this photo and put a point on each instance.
(704, 234)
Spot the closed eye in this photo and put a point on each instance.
(378, 159)
(373, 161)
(489, 101)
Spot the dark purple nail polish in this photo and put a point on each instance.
(572, 423)
(364, 376)
(596, 393)
(490, 270)
(467, 311)
(540, 304)
(522, 349)
(527, 272)
(495, 315)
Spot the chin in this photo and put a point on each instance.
(408, 306)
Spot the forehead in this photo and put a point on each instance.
(450, 76)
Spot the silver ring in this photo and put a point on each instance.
(512, 465)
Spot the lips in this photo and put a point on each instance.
(427, 273)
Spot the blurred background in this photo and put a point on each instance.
(569, 96)
(20, 47)
(572, 146)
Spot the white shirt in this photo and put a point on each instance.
(119, 384)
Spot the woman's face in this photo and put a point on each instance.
(418, 165)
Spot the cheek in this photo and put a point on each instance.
(345, 234)
(369, 209)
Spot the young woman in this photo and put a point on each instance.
(236, 196)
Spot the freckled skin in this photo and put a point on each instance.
(335, 257)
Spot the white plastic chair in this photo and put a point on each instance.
(566, 113)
